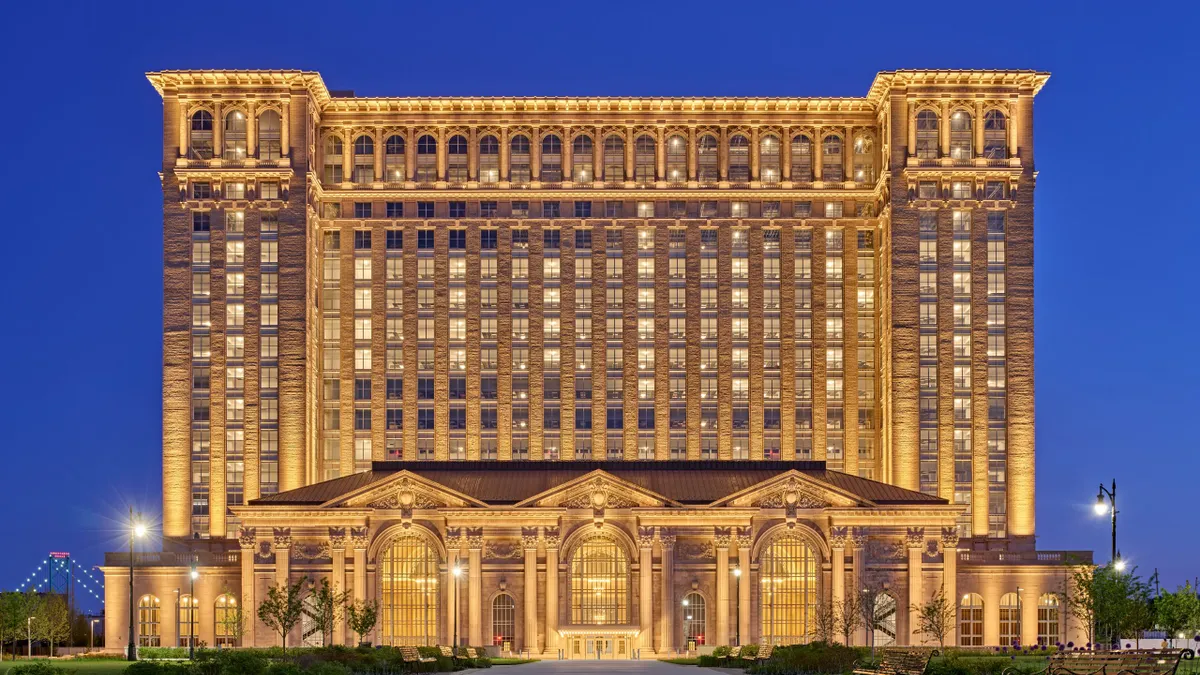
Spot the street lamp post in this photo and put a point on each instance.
(29, 634)
(1111, 507)
(192, 612)
(737, 603)
(457, 571)
(137, 530)
(1020, 619)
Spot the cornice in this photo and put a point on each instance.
(966, 79)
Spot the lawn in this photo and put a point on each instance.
(77, 666)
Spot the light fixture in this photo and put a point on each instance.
(139, 530)
(1100, 507)
(1119, 565)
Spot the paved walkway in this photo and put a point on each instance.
(586, 667)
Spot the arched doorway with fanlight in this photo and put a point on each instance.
(693, 610)
(408, 569)
(788, 577)
(599, 598)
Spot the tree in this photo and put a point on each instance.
(849, 616)
(52, 621)
(10, 620)
(282, 608)
(873, 614)
(936, 618)
(26, 605)
(361, 616)
(327, 606)
(1178, 612)
(233, 621)
(824, 624)
(1108, 603)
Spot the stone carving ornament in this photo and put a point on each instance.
(696, 551)
(310, 551)
(949, 538)
(666, 538)
(247, 537)
(529, 538)
(915, 538)
(645, 537)
(838, 536)
(503, 549)
(552, 537)
(359, 537)
(722, 537)
(885, 550)
(474, 538)
(282, 537)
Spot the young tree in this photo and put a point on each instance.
(873, 612)
(361, 616)
(825, 623)
(849, 616)
(10, 620)
(282, 608)
(233, 621)
(1108, 603)
(327, 606)
(1179, 612)
(52, 622)
(936, 618)
(27, 605)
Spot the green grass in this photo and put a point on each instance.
(511, 661)
(77, 666)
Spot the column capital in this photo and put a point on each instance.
(247, 538)
(744, 537)
(949, 539)
(645, 537)
(722, 537)
(337, 538)
(915, 538)
(838, 536)
(359, 538)
(529, 538)
(282, 537)
(474, 538)
(453, 538)
(551, 535)
(666, 538)
(858, 538)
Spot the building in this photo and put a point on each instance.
(598, 355)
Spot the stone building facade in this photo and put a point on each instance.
(613, 345)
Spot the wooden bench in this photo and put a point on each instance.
(898, 662)
(1128, 662)
(411, 655)
(472, 653)
(761, 654)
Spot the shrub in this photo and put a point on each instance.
(815, 657)
(283, 668)
(979, 665)
(721, 652)
(233, 661)
(37, 668)
(162, 653)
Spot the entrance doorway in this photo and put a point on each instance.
(600, 647)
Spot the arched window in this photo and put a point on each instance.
(961, 138)
(581, 159)
(426, 160)
(677, 151)
(927, 135)
(518, 160)
(364, 160)
(707, 159)
(693, 620)
(1010, 620)
(599, 583)
(970, 621)
(149, 628)
(884, 634)
(228, 621)
(189, 628)
(788, 573)
(333, 160)
(504, 620)
(739, 159)
(201, 140)
(270, 135)
(489, 160)
(768, 160)
(802, 166)
(394, 162)
(456, 159)
(408, 592)
(995, 135)
(234, 134)
(551, 159)
(831, 159)
(645, 160)
(1048, 632)
(614, 159)
(864, 160)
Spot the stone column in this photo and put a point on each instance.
(380, 147)
(1029, 615)
(358, 542)
(442, 154)
(818, 158)
(646, 587)
(503, 138)
(722, 537)
(950, 576)
(944, 130)
(754, 155)
(184, 124)
(568, 164)
(598, 155)
(837, 567)
(282, 544)
(337, 551)
(475, 585)
(978, 129)
(473, 154)
(912, 130)
(692, 160)
(251, 130)
(660, 154)
(248, 542)
(630, 144)
(218, 134)
(535, 155)
(915, 542)
(743, 541)
(785, 154)
(529, 542)
(858, 543)
(454, 541)
(551, 534)
(348, 176)
(285, 146)
(666, 540)
(848, 160)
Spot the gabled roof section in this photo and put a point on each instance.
(617, 492)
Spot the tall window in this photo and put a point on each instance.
(1048, 633)
(644, 160)
(1010, 620)
(456, 159)
(489, 160)
(408, 582)
(188, 628)
(333, 160)
(235, 135)
(599, 583)
(693, 619)
(739, 159)
(581, 159)
(802, 167)
(864, 159)
(995, 135)
(885, 620)
(518, 160)
(768, 160)
(551, 159)
(364, 160)
(504, 620)
(270, 135)
(970, 621)
(927, 135)
(201, 142)
(394, 162)
(226, 620)
(614, 159)
(831, 159)
(788, 573)
(961, 137)
(707, 156)
(426, 160)
(677, 149)
(149, 628)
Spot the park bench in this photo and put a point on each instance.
(411, 655)
(472, 653)
(761, 654)
(898, 662)
(1128, 662)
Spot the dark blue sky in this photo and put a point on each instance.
(80, 318)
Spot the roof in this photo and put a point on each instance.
(683, 481)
